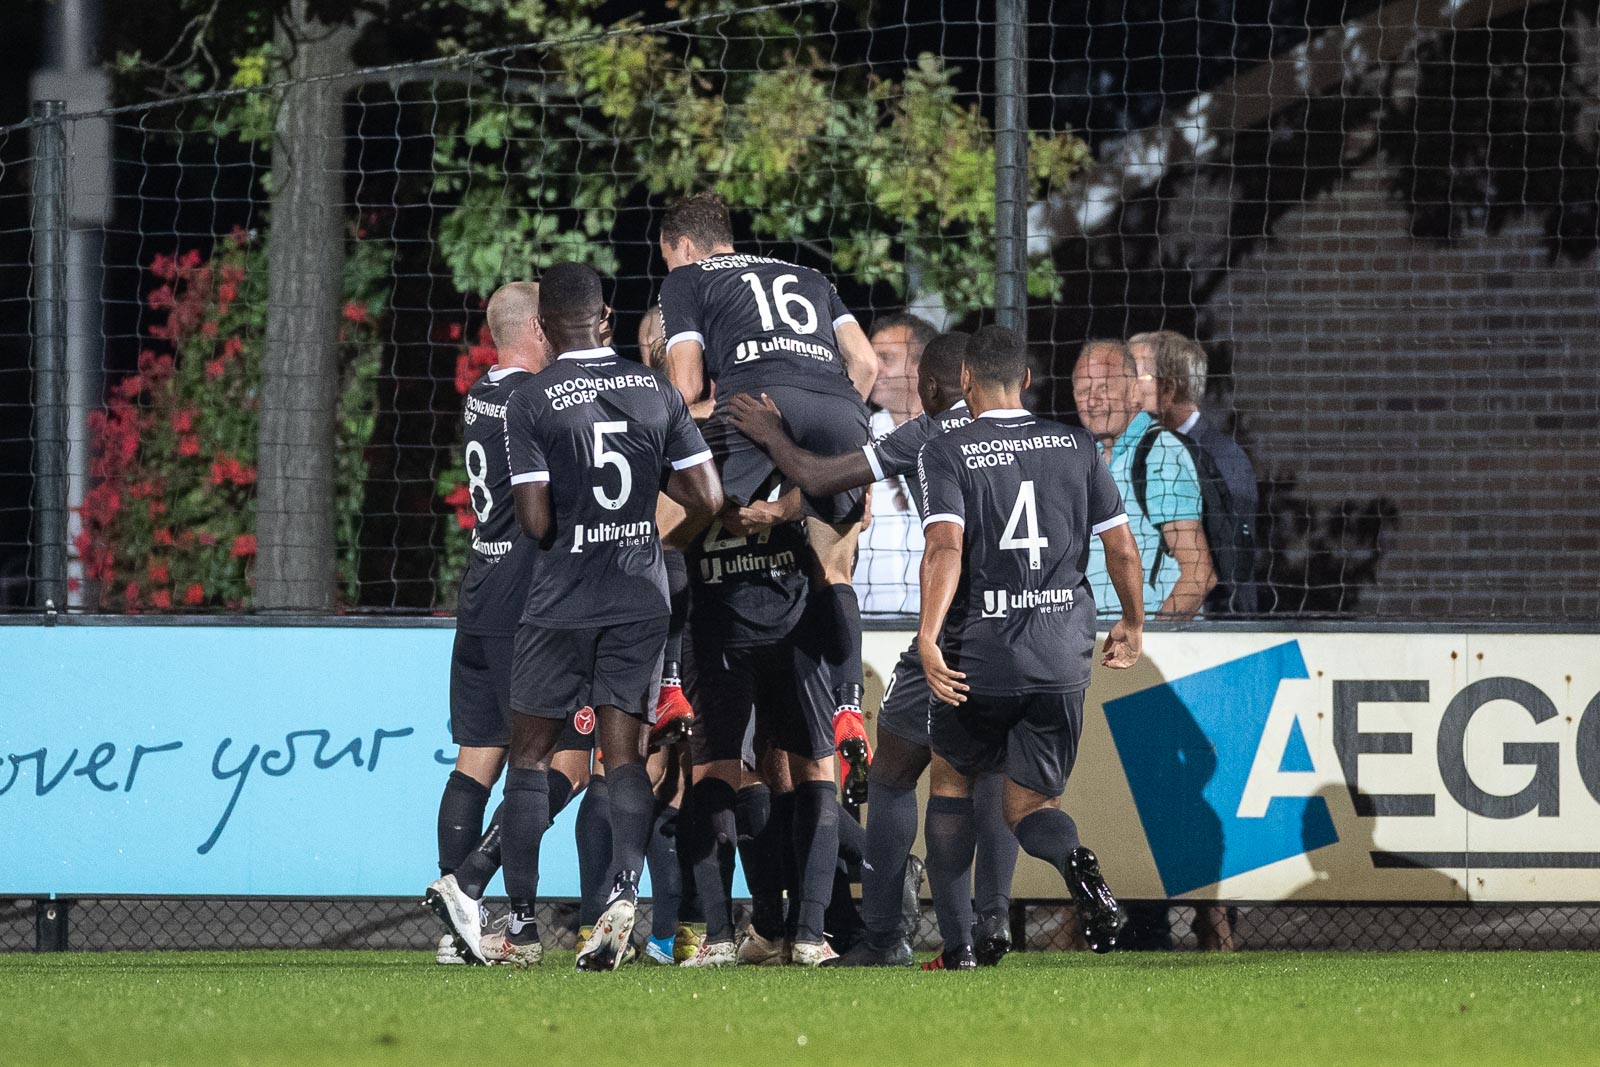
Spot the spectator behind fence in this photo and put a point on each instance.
(891, 548)
(1162, 497)
(1227, 478)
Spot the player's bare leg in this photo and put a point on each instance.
(839, 613)
(622, 743)
(1050, 834)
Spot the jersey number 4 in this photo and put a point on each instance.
(1025, 515)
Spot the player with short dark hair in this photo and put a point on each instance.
(590, 441)
(757, 324)
(1007, 630)
(493, 586)
(902, 753)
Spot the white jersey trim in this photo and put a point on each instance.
(944, 517)
(1006, 413)
(603, 352)
(1110, 524)
(872, 462)
(497, 374)
(703, 456)
(531, 476)
(686, 335)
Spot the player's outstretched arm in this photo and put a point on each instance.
(698, 490)
(941, 572)
(762, 422)
(860, 361)
(1126, 639)
(533, 509)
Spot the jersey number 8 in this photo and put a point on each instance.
(478, 480)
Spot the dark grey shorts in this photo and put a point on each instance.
(480, 690)
(557, 671)
(747, 698)
(823, 423)
(1033, 737)
(907, 702)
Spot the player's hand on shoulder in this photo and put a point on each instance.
(1122, 647)
(945, 684)
(759, 420)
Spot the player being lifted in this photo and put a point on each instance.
(902, 754)
(754, 324)
(1009, 502)
(493, 587)
(590, 442)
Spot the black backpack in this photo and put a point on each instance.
(1229, 535)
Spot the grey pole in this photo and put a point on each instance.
(49, 357)
(1011, 164)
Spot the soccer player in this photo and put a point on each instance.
(590, 441)
(755, 324)
(903, 753)
(754, 655)
(1009, 503)
(493, 587)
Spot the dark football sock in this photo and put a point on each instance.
(1049, 834)
(478, 868)
(678, 594)
(594, 849)
(852, 840)
(951, 839)
(666, 876)
(713, 835)
(891, 831)
(560, 793)
(759, 839)
(842, 919)
(996, 861)
(816, 852)
(781, 826)
(460, 819)
(524, 818)
(633, 808)
(841, 618)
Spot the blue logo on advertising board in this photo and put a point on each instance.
(1187, 747)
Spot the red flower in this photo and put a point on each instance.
(215, 369)
(454, 331)
(188, 445)
(208, 328)
(164, 267)
(130, 387)
(159, 574)
(161, 599)
(466, 520)
(207, 538)
(355, 311)
(232, 347)
(195, 594)
(130, 594)
(164, 536)
(227, 292)
(459, 497)
(161, 299)
(190, 260)
(243, 545)
(183, 420)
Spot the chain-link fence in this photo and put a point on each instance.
(119, 924)
(1380, 221)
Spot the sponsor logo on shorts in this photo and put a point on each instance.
(583, 720)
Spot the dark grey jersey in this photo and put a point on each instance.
(759, 321)
(495, 582)
(894, 455)
(603, 431)
(1028, 493)
(747, 590)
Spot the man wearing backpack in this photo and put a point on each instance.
(1164, 502)
(1175, 368)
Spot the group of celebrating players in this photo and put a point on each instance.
(680, 534)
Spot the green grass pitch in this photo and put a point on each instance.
(1331, 1010)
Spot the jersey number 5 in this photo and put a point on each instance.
(785, 301)
(1025, 514)
(604, 457)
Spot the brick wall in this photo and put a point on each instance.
(1461, 382)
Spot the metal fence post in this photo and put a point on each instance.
(1011, 164)
(50, 925)
(49, 356)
